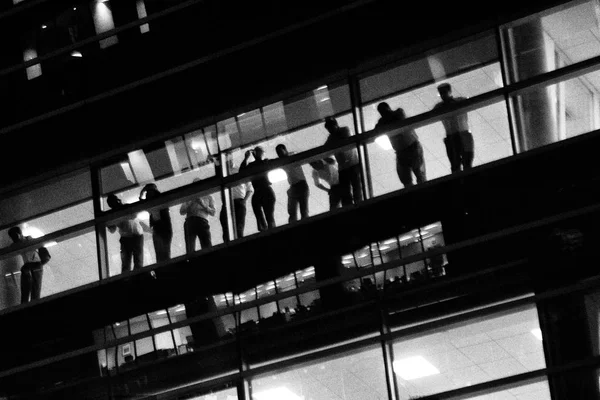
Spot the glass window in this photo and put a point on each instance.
(355, 375)
(468, 353)
(543, 43)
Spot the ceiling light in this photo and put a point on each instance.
(50, 244)
(44, 26)
(241, 115)
(384, 247)
(32, 231)
(117, 323)
(280, 393)
(405, 238)
(414, 368)
(76, 53)
(389, 241)
(322, 87)
(432, 226)
(161, 312)
(324, 100)
(74, 8)
(143, 215)
(537, 332)
(384, 142)
(180, 309)
(277, 175)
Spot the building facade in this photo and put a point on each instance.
(447, 253)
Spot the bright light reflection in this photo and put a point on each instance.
(50, 244)
(32, 231)
(143, 215)
(277, 175)
(384, 142)
(280, 393)
(414, 368)
(537, 332)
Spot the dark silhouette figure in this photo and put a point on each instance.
(263, 199)
(348, 163)
(132, 237)
(409, 152)
(459, 140)
(160, 223)
(298, 191)
(33, 266)
(196, 225)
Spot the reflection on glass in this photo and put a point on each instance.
(326, 378)
(468, 353)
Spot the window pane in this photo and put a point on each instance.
(468, 353)
(359, 375)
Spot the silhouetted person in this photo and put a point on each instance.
(409, 152)
(298, 191)
(327, 171)
(263, 199)
(348, 163)
(240, 195)
(459, 140)
(160, 223)
(197, 211)
(132, 237)
(32, 270)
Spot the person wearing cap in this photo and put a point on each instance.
(196, 225)
(263, 199)
(460, 146)
(327, 171)
(160, 223)
(298, 191)
(131, 231)
(409, 152)
(348, 163)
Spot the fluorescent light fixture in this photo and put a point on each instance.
(280, 393)
(76, 53)
(180, 309)
(50, 244)
(414, 368)
(384, 142)
(537, 332)
(277, 175)
(241, 115)
(384, 247)
(405, 238)
(161, 312)
(389, 241)
(346, 262)
(322, 87)
(309, 273)
(117, 323)
(324, 100)
(44, 26)
(74, 8)
(33, 232)
(143, 215)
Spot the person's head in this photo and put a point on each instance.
(281, 150)
(445, 91)
(317, 164)
(151, 190)
(384, 109)
(331, 124)
(16, 234)
(258, 153)
(113, 201)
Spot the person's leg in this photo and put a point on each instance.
(204, 233)
(37, 272)
(345, 187)
(25, 283)
(292, 204)
(335, 197)
(261, 224)
(269, 207)
(417, 161)
(138, 251)
(240, 216)
(356, 183)
(223, 221)
(403, 169)
(467, 149)
(452, 152)
(126, 254)
(303, 200)
(190, 238)
(162, 246)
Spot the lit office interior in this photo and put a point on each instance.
(473, 351)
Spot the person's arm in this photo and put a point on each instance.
(211, 206)
(145, 227)
(249, 191)
(184, 208)
(245, 163)
(318, 182)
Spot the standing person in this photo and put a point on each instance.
(298, 191)
(32, 270)
(263, 199)
(240, 194)
(409, 152)
(460, 146)
(160, 223)
(327, 170)
(348, 164)
(196, 224)
(132, 237)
